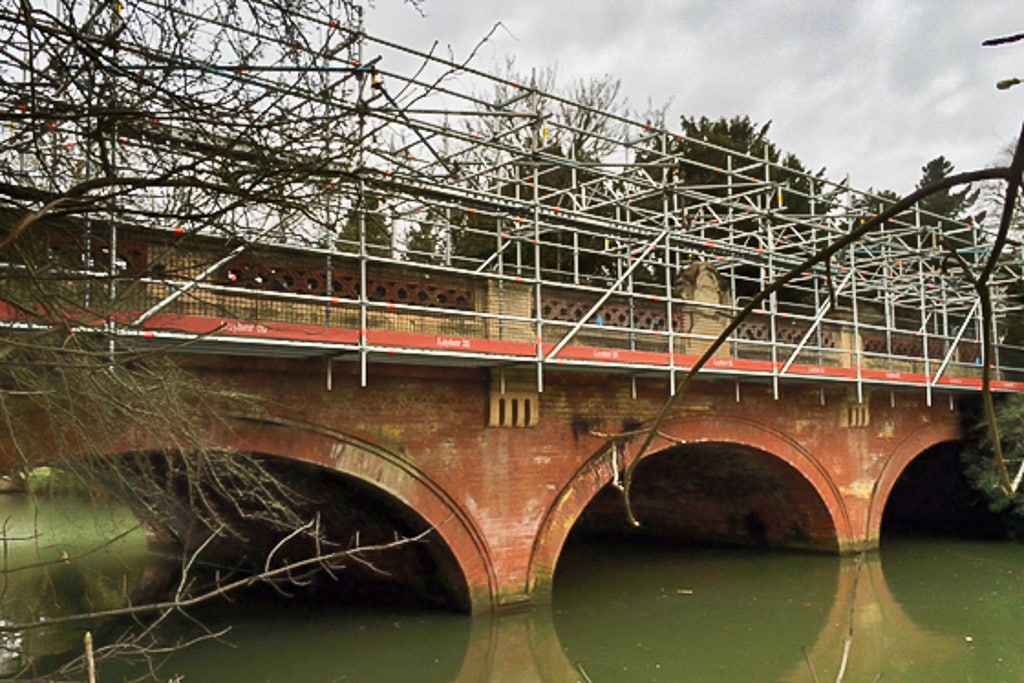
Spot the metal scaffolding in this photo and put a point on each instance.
(385, 157)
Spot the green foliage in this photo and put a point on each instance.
(714, 154)
(367, 214)
(708, 143)
(1013, 323)
(982, 470)
(424, 243)
(875, 201)
(955, 204)
(473, 235)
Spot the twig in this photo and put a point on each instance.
(182, 601)
(848, 642)
(280, 544)
(90, 662)
(1015, 173)
(810, 667)
(5, 570)
(1003, 40)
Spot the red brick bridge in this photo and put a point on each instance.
(813, 470)
(502, 416)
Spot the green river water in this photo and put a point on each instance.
(919, 610)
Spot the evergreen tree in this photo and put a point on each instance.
(709, 149)
(707, 143)
(981, 468)
(956, 205)
(368, 212)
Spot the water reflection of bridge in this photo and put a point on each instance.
(883, 640)
(709, 616)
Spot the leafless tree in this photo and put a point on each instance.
(221, 120)
(142, 641)
(228, 123)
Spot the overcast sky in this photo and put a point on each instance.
(873, 89)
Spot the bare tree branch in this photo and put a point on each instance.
(183, 599)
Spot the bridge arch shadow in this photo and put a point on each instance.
(390, 473)
(711, 479)
(932, 496)
(352, 480)
(354, 512)
(920, 445)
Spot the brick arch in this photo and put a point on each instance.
(387, 471)
(906, 451)
(597, 472)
